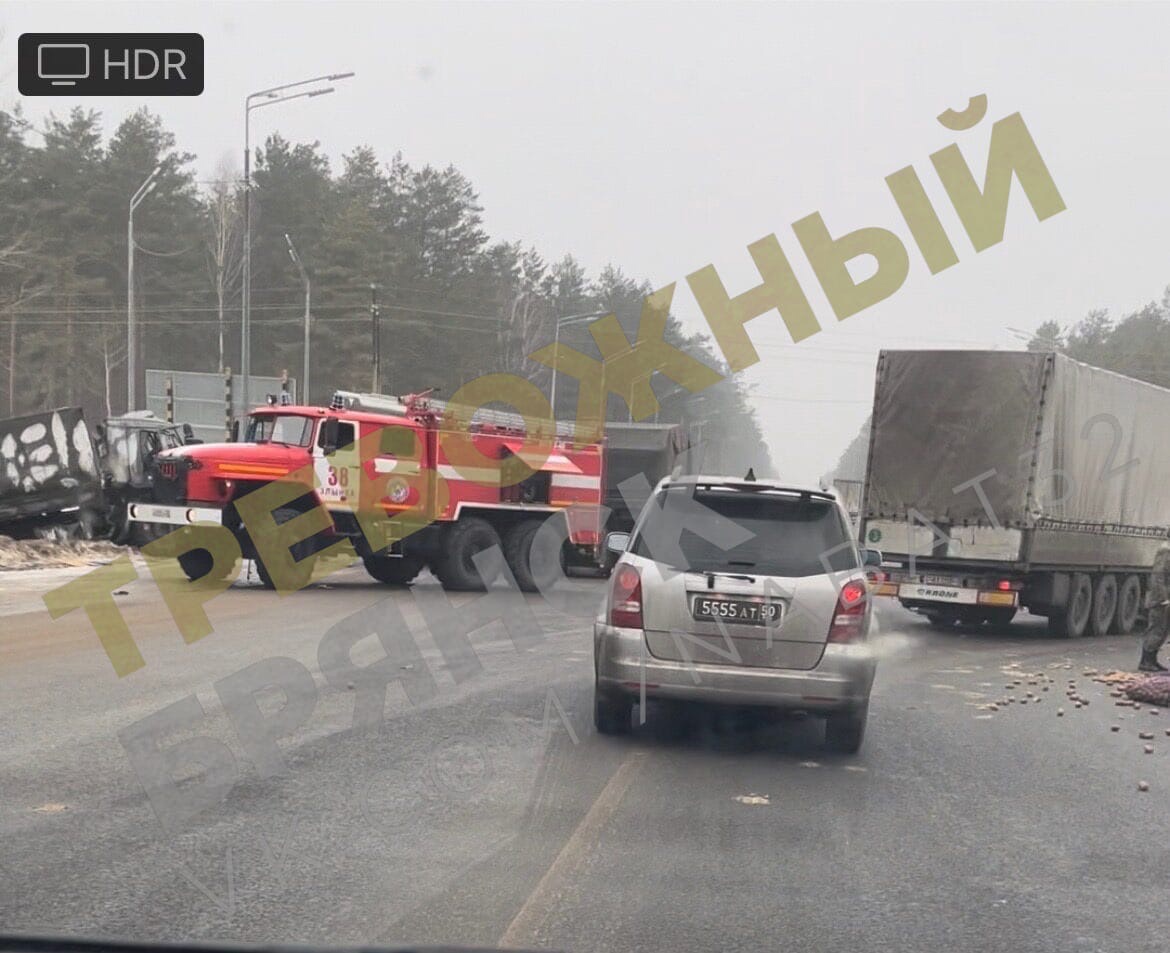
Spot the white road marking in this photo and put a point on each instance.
(522, 930)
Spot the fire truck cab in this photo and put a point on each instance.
(435, 494)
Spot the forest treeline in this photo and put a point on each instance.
(454, 302)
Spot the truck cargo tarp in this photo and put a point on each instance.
(637, 452)
(945, 419)
(654, 438)
(1104, 456)
(46, 462)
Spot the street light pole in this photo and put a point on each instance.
(565, 321)
(131, 324)
(630, 400)
(267, 97)
(376, 339)
(292, 253)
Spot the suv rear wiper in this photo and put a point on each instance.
(712, 573)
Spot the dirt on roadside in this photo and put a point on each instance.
(52, 554)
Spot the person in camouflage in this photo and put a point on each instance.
(1158, 606)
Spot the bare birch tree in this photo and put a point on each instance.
(225, 240)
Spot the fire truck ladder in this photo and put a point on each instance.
(408, 404)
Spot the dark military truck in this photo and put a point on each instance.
(57, 479)
(1002, 480)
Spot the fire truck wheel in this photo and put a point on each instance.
(197, 564)
(299, 551)
(518, 552)
(393, 570)
(462, 541)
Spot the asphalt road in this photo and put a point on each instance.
(491, 814)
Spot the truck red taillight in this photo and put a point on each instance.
(849, 617)
(625, 598)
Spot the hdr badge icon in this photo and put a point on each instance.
(110, 64)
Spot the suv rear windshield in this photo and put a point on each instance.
(790, 537)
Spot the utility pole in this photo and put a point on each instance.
(376, 342)
(296, 259)
(131, 325)
(558, 323)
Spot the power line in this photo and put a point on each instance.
(805, 400)
(29, 312)
(358, 288)
(233, 326)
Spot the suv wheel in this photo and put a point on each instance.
(611, 716)
(845, 730)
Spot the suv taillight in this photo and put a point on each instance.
(625, 598)
(849, 617)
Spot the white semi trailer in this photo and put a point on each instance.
(1005, 480)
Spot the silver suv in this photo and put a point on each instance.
(739, 592)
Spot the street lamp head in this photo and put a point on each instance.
(320, 92)
(337, 76)
(570, 319)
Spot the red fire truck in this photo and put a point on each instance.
(443, 494)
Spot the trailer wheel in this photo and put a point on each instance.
(461, 542)
(1129, 605)
(1071, 620)
(393, 570)
(1104, 605)
(999, 616)
(941, 618)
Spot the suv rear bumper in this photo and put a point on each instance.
(841, 680)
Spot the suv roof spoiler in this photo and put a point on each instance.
(753, 487)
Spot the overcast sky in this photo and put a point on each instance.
(666, 137)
